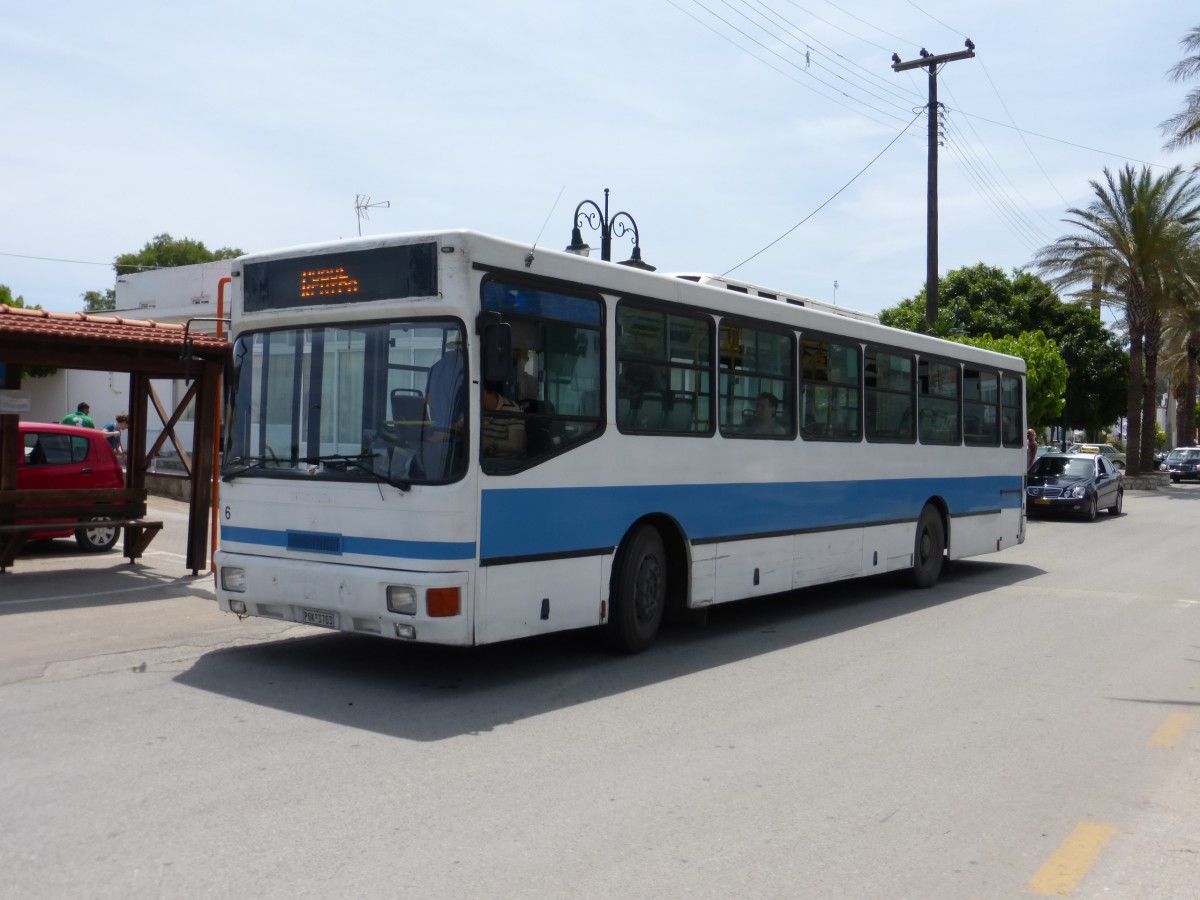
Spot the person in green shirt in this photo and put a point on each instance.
(80, 417)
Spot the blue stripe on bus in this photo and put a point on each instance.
(531, 521)
(367, 546)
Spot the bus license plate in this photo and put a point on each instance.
(319, 617)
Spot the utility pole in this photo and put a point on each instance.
(927, 60)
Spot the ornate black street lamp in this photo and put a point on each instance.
(608, 227)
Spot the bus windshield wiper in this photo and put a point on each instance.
(358, 462)
(240, 465)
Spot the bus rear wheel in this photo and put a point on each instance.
(928, 549)
(639, 592)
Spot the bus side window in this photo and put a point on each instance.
(557, 373)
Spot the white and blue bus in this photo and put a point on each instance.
(452, 438)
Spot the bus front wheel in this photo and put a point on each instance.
(928, 549)
(639, 591)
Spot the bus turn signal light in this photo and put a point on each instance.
(440, 602)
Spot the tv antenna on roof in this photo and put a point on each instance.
(362, 203)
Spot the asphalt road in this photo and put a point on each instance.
(1027, 727)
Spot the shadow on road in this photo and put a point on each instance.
(428, 693)
(58, 575)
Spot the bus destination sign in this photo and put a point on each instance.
(353, 276)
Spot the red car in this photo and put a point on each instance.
(63, 457)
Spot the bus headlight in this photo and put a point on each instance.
(402, 599)
(233, 579)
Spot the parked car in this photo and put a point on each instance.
(1079, 483)
(1043, 449)
(1115, 456)
(1184, 463)
(63, 457)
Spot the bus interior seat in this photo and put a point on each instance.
(679, 416)
(650, 411)
(408, 406)
(408, 415)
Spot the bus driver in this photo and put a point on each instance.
(503, 435)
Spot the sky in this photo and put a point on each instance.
(767, 140)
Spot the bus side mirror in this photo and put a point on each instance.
(497, 351)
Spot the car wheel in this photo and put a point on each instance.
(1089, 512)
(97, 536)
(929, 549)
(1115, 509)
(639, 592)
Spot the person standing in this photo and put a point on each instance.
(79, 418)
(112, 434)
(1031, 439)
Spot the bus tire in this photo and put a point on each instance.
(639, 591)
(928, 549)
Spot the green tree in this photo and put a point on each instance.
(982, 300)
(7, 298)
(1181, 348)
(1045, 371)
(165, 252)
(1130, 243)
(1183, 128)
(95, 301)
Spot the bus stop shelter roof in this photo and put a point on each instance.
(146, 350)
(35, 337)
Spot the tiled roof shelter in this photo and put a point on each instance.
(145, 349)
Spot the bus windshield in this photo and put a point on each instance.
(363, 402)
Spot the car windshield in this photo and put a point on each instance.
(1064, 465)
(1181, 455)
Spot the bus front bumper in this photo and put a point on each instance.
(429, 607)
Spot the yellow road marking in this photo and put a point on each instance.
(1071, 861)
(1172, 731)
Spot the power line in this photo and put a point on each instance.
(1004, 105)
(1047, 137)
(869, 25)
(80, 262)
(828, 201)
(782, 58)
(936, 19)
(846, 64)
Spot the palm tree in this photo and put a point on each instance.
(1184, 127)
(1181, 349)
(1130, 243)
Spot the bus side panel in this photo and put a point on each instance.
(827, 556)
(521, 599)
(704, 575)
(976, 535)
(887, 548)
(753, 568)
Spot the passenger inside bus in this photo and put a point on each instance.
(443, 389)
(763, 420)
(445, 393)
